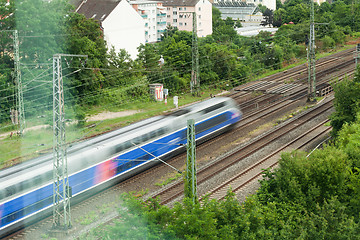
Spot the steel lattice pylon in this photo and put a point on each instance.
(19, 92)
(190, 183)
(195, 80)
(61, 196)
(357, 55)
(311, 56)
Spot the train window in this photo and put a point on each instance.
(10, 191)
(25, 184)
(20, 187)
(161, 131)
(145, 137)
(210, 123)
(127, 145)
(119, 148)
(37, 180)
(137, 140)
(49, 175)
(153, 134)
(212, 108)
(179, 112)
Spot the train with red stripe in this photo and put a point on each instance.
(26, 189)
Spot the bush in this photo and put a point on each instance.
(328, 42)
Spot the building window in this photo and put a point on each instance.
(199, 16)
(174, 20)
(184, 8)
(180, 24)
(199, 8)
(174, 13)
(180, 16)
(168, 9)
(185, 24)
(180, 8)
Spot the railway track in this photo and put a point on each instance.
(257, 109)
(254, 172)
(254, 110)
(217, 167)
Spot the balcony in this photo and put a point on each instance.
(161, 14)
(160, 31)
(144, 15)
(161, 23)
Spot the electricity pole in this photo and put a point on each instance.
(190, 181)
(18, 82)
(357, 55)
(311, 56)
(61, 190)
(195, 79)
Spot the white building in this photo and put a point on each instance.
(179, 14)
(123, 27)
(236, 10)
(270, 4)
(154, 15)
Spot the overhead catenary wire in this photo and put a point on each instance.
(143, 70)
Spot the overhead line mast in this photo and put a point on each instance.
(311, 57)
(19, 91)
(61, 190)
(195, 80)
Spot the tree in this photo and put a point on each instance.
(86, 38)
(238, 24)
(347, 100)
(223, 31)
(41, 35)
(7, 83)
(269, 17)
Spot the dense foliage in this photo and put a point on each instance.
(347, 102)
(314, 196)
(108, 78)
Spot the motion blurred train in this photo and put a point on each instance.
(26, 190)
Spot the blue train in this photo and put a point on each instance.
(26, 189)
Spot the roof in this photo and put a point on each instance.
(233, 4)
(97, 9)
(176, 3)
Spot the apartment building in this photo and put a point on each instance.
(154, 15)
(123, 27)
(180, 15)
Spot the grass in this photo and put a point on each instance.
(88, 218)
(302, 61)
(292, 114)
(106, 207)
(169, 180)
